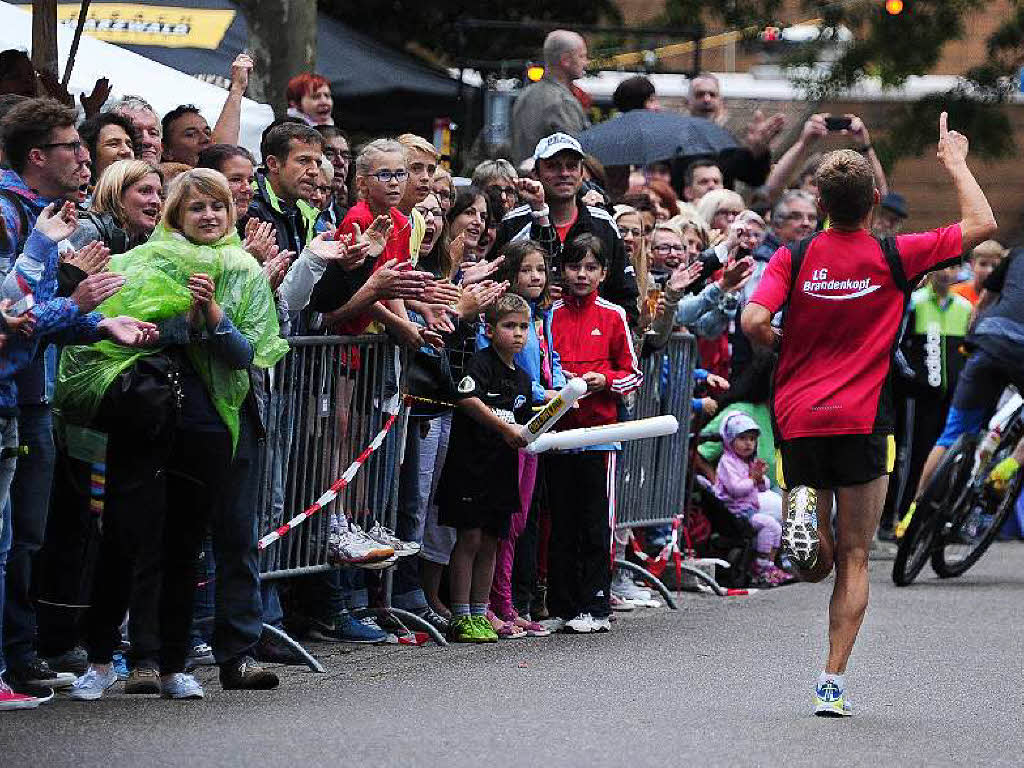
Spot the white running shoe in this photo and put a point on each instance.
(627, 589)
(181, 686)
(388, 538)
(92, 684)
(349, 545)
(600, 625)
(831, 701)
(581, 625)
(554, 624)
(800, 528)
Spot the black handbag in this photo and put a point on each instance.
(429, 381)
(144, 401)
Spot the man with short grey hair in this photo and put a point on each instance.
(549, 106)
(147, 121)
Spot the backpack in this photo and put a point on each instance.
(23, 224)
(115, 238)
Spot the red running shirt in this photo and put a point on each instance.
(840, 328)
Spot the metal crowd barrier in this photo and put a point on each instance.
(328, 399)
(652, 474)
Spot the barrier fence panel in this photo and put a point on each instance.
(329, 397)
(652, 474)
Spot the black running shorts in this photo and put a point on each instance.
(835, 461)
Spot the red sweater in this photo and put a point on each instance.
(397, 247)
(592, 334)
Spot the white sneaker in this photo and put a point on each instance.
(181, 686)
(349, 545)
(92, 684)
(554, 624)
(581, 625)
(387, 537)
(625, 588)
(620, 604)
(600, 625)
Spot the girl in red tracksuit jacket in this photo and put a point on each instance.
(592, 337)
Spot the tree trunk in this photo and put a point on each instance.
(44, 36)
(282, 39)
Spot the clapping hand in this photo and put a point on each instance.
(376, 236)
(91, 258)
(260, 240)
(23, 324)
(129, 332)
(684, 276)
(736, 274)
(276, 269)
(389, 281)
(349, 256)
(57, 221)
(481, 270)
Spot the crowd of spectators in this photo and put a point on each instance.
(153, 270)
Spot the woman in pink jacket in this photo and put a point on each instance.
(740, 483)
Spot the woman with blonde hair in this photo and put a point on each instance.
(719, 208)
(125, 207)
(170, 414)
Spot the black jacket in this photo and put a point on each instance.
(620, 284)
(295, 225)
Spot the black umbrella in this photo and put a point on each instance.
(644, 136)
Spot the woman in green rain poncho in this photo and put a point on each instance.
(171, 413)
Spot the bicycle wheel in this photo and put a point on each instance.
(948, 481)
(963, 539)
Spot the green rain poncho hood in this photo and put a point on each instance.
(156, 288)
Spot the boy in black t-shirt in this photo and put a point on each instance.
(479, 486)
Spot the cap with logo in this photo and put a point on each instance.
(555, 143)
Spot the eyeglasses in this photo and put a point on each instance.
(75, 146)
(797, 216)
(727, 212)
(505, 191)
(623, 231)
(664, 250)
(444, 194)
(430, 211)
(386, 176)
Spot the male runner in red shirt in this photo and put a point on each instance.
(844, 294)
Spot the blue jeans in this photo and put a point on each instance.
(8, 437)
(30, 503)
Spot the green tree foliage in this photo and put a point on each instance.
(893, 48)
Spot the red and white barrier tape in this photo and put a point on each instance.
(336, 487)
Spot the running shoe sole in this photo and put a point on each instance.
(800, 528)
(832, 708)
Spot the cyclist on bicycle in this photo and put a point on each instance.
(845, 294)
(998, 360)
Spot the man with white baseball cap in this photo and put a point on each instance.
(554, 215)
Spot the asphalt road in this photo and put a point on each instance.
(936, 679)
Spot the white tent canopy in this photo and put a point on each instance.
(132, 74)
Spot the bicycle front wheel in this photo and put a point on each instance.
(964, 539)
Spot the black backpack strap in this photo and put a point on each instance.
(21, 235)
(797, 253)
(892, 258)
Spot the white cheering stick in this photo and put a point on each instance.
(555, 409)
(609, 433)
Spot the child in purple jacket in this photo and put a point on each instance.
(740, 483)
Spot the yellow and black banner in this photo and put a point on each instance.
(163, 25)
